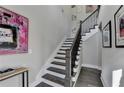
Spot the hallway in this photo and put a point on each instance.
(89, 78)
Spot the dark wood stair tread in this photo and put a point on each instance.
(65, 53)
(58, 63)
(67, 43)
(69, 38)
(42, 84)
(57, 70)
(61, 53)
(62, 49)
(62, 58)
(65, 46)
(66, 49)
(55, 79)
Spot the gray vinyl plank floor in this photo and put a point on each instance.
(89, 78)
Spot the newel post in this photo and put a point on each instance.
(68, 82)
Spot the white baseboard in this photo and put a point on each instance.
(103, 81)
(92, 66)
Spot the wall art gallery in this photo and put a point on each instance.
(13, 32)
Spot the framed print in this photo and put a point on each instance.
(119, 27)
(106, 36)
(13, 32)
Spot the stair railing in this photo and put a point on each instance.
(90, 21)
(71, 57)
(71, 53)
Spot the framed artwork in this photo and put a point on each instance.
(106, 36)
(13, 32)
(90, 8)
(119, 27)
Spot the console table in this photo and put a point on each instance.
(21, 70)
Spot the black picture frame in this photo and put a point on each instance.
(117, 25)
(106, 36)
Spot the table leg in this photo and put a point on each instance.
(27, 79)
(23, 79)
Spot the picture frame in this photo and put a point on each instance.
(106, 36)
(119, 27)
(13, 32)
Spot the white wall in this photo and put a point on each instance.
(47, 27)
(91, 52)
(112, 58)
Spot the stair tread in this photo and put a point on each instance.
(42, 84)
(55, 79)
(66, 49)
(65, 46)
(67, 43)
(65, 53)
(62, 49)
(58, 57)
(57, 70)
(61, 53)
(59, 63)
(69, 38)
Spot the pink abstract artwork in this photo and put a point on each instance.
(13, 32)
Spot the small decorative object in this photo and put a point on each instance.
(13, 32)
(119, 27)
(106, 36)
(90, 8)
(9, 70)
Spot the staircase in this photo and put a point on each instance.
(64, 66)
